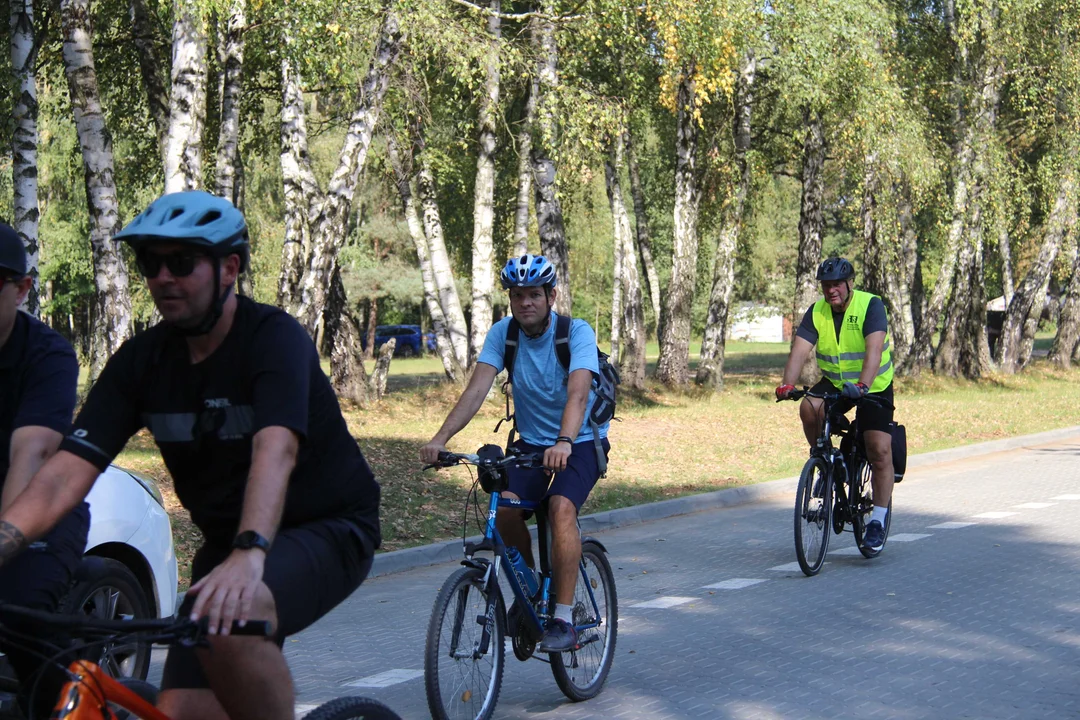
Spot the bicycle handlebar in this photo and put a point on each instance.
(182, 630)
(523, 460)
(834, 396)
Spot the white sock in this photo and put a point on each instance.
(565, 612)
(879, 515)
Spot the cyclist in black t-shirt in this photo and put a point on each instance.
(39, 375)
(259, 452)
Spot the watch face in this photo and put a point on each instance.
(250, 539)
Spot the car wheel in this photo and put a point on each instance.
(404, 351)
(106, 589)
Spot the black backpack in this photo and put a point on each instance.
(604, 383)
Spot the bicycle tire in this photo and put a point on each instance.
(577, 677)
(813, 515)
(862, 505)
(352, 708)
(455, 594)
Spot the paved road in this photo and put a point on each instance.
(973, 610)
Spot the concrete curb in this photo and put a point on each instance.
(436, 553)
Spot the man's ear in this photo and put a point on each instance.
(24, 284)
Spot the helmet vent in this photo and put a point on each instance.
(208, 218)
(175, 213)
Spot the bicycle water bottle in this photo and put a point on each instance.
(526, 576)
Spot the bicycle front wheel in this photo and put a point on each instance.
(352, 708)
(462, 672)
(581, 673)
(813, 515)
(862, 506)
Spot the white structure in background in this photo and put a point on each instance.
(752, 322)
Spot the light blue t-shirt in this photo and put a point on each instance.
(539, 380)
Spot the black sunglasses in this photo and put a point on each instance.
(180, 264)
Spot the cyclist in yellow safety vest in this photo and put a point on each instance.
(850, 329)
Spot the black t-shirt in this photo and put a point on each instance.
(875, 321)
(39, 376)
(203, 417)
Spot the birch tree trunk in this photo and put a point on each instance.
(228, 170)
(483, 247)
(620, 241)
(631, 361)
(302, 192)
(520, 242)
(347, 372)
(443, 342)
(641, 221)
(187, 99)
(1023, 313)
(811, 225)
(24, 144)
(912, 295)
(1005, 250)
(327, 222)
(1067, 339)
(112, 302)
(886, 272)
(145, 35)
(549, 218)
(440, 261)
(673, 366)
(713, 346)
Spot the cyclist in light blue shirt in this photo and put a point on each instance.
(550, 408)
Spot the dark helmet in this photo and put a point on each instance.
(835, 268)
(12, 252)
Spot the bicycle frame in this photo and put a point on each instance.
(493, 542)
(88, 694)
(831, 454)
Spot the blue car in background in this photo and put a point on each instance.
(410, 341)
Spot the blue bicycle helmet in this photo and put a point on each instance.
(528, 271)
(193, 217)
(835, 268)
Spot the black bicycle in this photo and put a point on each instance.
(835, 492)
(463, 660)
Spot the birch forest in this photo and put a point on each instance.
(675, 159)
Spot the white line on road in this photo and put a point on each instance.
(1066, 497)
(995, 515)
(664, 602)
(908, 537)
(950, 525)
(386, 679)
(843, 551)
(734, 584)
(1034, 506)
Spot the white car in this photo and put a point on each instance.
(128, 571)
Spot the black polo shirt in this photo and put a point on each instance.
(204, 416)
(39, 376)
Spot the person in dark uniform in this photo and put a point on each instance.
(39, 375)
(260, 455)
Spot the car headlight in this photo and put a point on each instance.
(149, 486)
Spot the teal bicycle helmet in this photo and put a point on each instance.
(196, 218)
(528, 271)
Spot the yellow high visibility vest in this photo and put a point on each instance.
(841, 359)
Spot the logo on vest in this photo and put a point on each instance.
(852, 320)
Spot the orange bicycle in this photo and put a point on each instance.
(92, 694)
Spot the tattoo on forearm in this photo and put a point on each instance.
(12, 541)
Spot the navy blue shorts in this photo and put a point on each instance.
(309, 570)
(574, 483)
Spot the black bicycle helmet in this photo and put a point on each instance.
(835, 268)
(12, 252)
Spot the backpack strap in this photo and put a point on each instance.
(562, 340)
(509, 355)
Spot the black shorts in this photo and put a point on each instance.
(39, 578)
(869, 416)
(310, 569)
(574, 483)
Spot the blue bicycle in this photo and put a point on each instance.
(466, 637)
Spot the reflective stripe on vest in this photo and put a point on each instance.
(841, 359)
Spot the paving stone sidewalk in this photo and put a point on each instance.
(972, 610)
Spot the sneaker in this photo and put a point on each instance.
(875, 536)
(560, 636)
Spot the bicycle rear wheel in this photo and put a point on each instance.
(862, 505)
(462, 679)
(581, 673)
(352, 708)
(813, 515)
